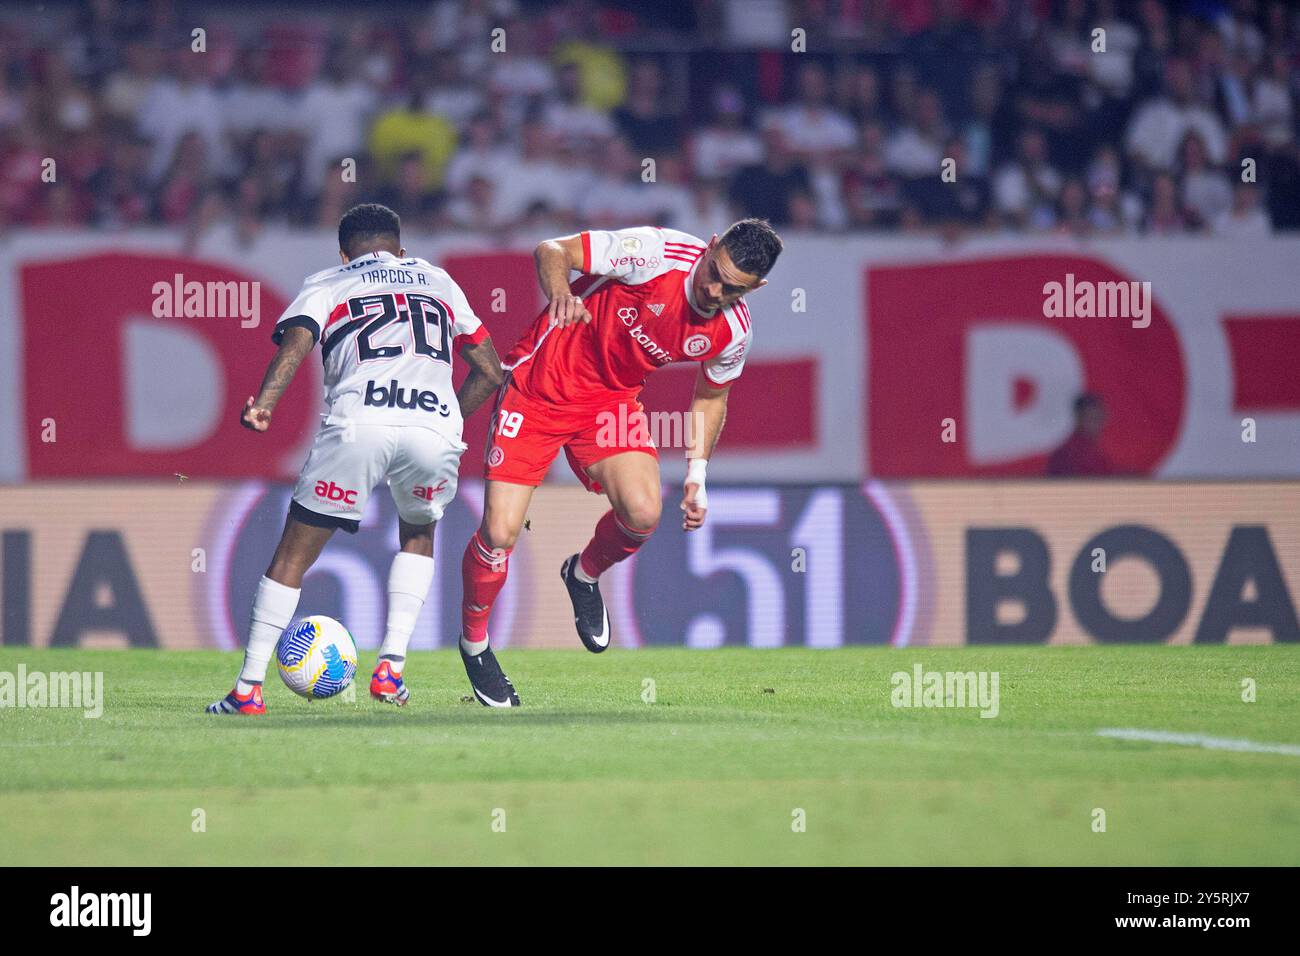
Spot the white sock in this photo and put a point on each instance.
(471, 648)
(409, 578)
(580, 574)
(273, 609)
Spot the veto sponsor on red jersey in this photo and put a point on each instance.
(636, 283)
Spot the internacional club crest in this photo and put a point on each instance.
(697, 345)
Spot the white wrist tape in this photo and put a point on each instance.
(695, 476)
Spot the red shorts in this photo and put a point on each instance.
(528, 433)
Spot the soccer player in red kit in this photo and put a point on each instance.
(645, 298)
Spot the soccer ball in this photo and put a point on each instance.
(316, 657)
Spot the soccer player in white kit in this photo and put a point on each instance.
(387, 325)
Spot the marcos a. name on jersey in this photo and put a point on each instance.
(388, 329)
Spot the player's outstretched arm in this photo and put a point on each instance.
(485, 376)
(296, 343)
(708, 414)
(555, 259)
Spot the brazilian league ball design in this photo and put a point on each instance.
(316, 657)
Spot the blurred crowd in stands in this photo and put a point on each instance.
(685, 114)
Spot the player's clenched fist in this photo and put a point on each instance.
(258, 419)
(695, 499)
(567, 309)
(695, 504)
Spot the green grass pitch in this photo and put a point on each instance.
(712, 772)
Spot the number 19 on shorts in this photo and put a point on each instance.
(509, 423)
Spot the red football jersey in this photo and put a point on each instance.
(636, 284)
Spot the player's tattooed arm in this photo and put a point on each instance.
(485, 376)
(707, 416)
(556, 258)
(295, 345)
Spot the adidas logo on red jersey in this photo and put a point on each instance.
(657, 308)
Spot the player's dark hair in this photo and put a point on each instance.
(367, 225)
(753, 246)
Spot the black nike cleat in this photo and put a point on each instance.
(491, 686)
(588, 609)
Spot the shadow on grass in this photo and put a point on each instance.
(481, 717)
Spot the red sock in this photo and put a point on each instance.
(482, 575)
(612, 542)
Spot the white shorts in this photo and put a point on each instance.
(347, 461)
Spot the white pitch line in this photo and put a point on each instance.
(1199, 740)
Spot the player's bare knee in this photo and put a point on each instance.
(499, 533)
(640, 512)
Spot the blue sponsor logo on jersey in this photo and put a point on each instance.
(394, 396)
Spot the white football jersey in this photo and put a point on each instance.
(387, 328)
